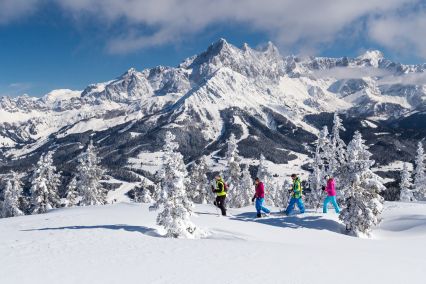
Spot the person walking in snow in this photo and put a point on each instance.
(331, 195)
(296, 197)
(259, 197)
(220, 191)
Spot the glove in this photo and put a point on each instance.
(252, 200)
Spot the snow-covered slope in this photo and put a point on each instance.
(121, 244)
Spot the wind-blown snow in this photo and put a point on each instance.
(56, 96)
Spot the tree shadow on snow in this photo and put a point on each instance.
(293, 222)
(404, 223)
(207, 213)
(139, 229)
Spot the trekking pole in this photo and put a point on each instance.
(319, 201)
(214, 201)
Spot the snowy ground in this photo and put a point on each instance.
(120, 243)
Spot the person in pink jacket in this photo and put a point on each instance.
(331, 195)
(259, 196)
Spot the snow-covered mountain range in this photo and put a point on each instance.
(274, 104)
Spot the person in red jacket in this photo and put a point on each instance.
(331, 195)
(259, 196)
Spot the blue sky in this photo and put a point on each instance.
(50, 44)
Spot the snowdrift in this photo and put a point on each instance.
(120, 243)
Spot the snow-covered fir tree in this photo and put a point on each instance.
(272, 191)
(262, 171)
(266, 177)
(156, 193)
(232, 172)
(45, 182)
(285, 194)
(319, 170)
(198, 185)
(419, 173)
(176, 206)
(142, 193)
(146, 196)
(12, 191)
(406, 193)
(88, 175)
(72, 193)
(245, 190)
(363, 202)
(279, 196)
(337, 149)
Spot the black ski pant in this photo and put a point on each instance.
(220, 202)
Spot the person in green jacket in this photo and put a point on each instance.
(220, 191)
(296, 197)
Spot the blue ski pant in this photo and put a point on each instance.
(294, 201)
(333, 201)
(259, 206)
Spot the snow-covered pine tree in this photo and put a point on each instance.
(146, 196)
(363, 202)
(198, 185)
(44, 185)
(88, 175)
(173, 198)
(272, 191)
(319, 171)
(143, 195)
(419, 173)
(406, 193)
(265, 176)
(156, 194)
(72, 194)
(285, 194)
(233, 171)
(337, 149)
(246, 189)
(11, 192)
(279, 195)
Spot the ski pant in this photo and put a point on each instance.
(220, 202)
(294, 201)
(259, 206)
(333, 201)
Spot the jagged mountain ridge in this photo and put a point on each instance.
(266, 99)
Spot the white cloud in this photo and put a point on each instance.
(385, 76)
(13, 9)
(304, 23)
(406, 79)
(350, 73)
(15, 89)
(289, 22)
(405, 33)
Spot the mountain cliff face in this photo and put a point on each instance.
(274, 104)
